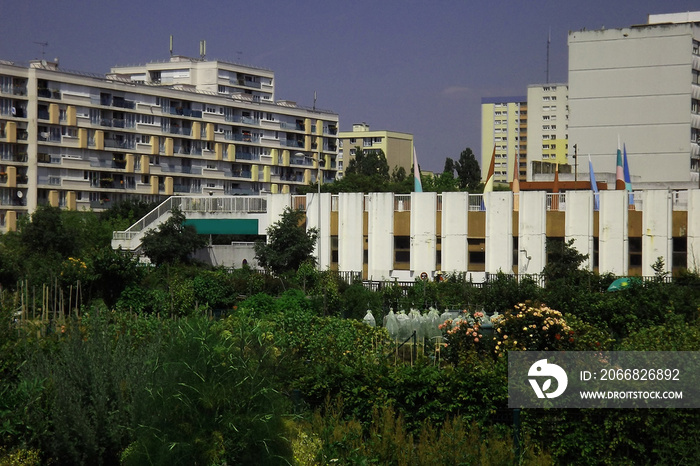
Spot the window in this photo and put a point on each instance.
(223, 90)
(545, 117)
(695, 106)
(366, 142)
(402, 251)
(554, 97)
(546, 98)
(635, 251)
(545, 127)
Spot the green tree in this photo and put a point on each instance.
(289, 243)
(468, 171)
(370, 163)
(173, 241)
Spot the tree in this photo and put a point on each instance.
(468, 171)
(173, 241)
(371, 163)
(288, 245)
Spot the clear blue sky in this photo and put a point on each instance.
(418, 67)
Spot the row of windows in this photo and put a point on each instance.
(477, 252)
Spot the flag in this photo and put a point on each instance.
(619, 172)
(516, 184)
(417, 185)
(488, 186)
(628, 180)
(594, 184)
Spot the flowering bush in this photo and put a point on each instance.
(532, 328)
(465, 337)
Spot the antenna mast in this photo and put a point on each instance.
(43, 48)
(549, 40)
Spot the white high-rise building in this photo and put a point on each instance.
(639, 85)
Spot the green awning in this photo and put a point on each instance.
(224, 226)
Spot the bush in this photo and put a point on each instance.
(211, 398)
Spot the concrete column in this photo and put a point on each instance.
(613, 247)
(532, 226)
(499, 231)
(579, 223)
(693, 234)
(657, 232)
(380, 229)
(350, 232)
(423, 232)
(455, 223)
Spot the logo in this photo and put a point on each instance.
(542, 368)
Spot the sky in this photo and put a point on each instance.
(419, 67)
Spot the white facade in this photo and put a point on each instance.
(639, 85)
(363, 230)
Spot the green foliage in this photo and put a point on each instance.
(371, 164)
(211, 398)
(389, 441)
(289, 243)
(46, 231)
(505, 291)
(121, 215)
(468, 171)
(357, 299)
(172, 242)
(114, 271)
(443, 182)
(87, 386)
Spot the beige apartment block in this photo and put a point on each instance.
(183, 126)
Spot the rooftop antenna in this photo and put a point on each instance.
(314, 101)
(202, 49)
(549, 40)
(171, 45)
(43, 48)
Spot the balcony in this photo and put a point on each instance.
(120, 143)
(240, 155)
(123, 103)
(301, 161)
(245, 138)
(19, 157)
(49, 94)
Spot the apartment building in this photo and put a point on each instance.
(639, 85)
(504, 126)
(185, 126)
(397, 147)
(548, 127)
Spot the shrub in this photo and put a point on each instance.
(531, 328)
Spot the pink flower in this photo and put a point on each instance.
(476, 340)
